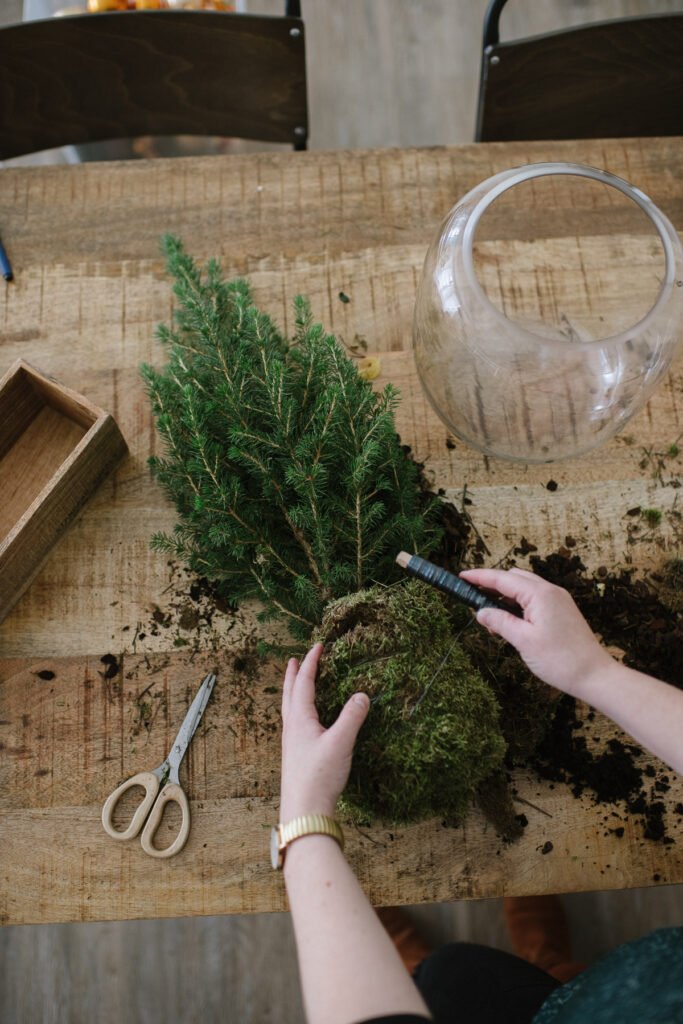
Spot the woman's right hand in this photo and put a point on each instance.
(553, 638)
(315, 761)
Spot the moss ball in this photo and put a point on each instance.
(432, 734)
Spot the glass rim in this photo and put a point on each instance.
(505, 180)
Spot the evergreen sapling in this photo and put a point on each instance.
(285, 468)
(292, 487)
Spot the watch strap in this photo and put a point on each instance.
(308, 825)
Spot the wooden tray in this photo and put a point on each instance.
(55, 449)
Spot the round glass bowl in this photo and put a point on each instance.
(549, 306)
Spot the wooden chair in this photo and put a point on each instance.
(611, 79)
(103, 76)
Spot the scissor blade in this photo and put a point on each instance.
(190, 722)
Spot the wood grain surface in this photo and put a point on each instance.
(89, 289)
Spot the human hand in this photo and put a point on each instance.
(553, 638)
(315, 761)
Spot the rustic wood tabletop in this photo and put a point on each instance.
(102, 654)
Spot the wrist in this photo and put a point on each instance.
(311, 848)
(595, 677)
(290, 809)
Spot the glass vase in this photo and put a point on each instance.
(537, 336)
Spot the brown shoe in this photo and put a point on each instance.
(539, 933)
(410, 945)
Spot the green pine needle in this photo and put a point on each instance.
(284, 466)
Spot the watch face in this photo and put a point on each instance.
(275, 856)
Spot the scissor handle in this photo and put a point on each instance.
(150, 783)
(170, 793)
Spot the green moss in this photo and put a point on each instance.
(432, 735)
(652, 516)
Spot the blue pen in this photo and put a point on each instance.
(5, 265)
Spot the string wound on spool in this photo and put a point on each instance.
(450, 584)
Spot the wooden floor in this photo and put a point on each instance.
(381, 73)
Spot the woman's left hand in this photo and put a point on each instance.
(315, 761)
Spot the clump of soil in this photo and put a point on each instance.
(527, 705)
(495, 799)
(432, 735)
(638, 617)
(641, 617)
(112, 666)
(612, 772)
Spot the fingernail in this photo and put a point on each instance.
(361, 699)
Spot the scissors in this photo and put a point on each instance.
(161, 786)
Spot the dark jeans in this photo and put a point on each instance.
(471, 984)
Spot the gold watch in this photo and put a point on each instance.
(307, 825)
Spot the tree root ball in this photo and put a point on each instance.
(432, 735)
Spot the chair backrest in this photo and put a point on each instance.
(610, 79)
(103, 76)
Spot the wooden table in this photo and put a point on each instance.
(89, 289)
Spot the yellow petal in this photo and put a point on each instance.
(369, 367)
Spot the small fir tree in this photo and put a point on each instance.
(292, 486)
(289, 479)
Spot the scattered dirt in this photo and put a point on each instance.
(146, 706)
(635, 615)
(197, 621)
(111, 666)
(193, 615)
(638, 616)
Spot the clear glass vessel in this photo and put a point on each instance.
(549, 306)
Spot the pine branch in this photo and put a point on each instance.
(285, 468)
